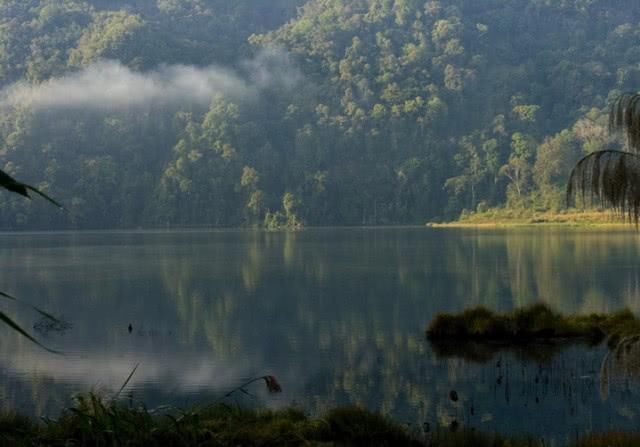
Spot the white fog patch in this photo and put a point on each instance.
(109, 84)
(272, 67)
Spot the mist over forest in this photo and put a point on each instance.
(287, 112)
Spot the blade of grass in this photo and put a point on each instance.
(126, 381)
(37, 309)
(37, 191)
(15, 326)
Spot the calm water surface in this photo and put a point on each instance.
(337, 315)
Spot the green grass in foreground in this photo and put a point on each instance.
(97, 422)
(532, 324)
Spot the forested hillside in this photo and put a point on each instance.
(324, 112)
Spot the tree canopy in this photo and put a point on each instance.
(321, 111)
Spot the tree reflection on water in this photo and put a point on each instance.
(337, 315)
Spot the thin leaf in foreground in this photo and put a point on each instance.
(126, 381)
(8, 182)
(37, 309)
(15, 326)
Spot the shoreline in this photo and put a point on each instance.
(501, 218)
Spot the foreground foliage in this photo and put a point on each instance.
(23, 189)
(94, 421)
(99, 422)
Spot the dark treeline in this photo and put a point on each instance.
(328, 111)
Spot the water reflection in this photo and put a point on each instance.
(338, 315)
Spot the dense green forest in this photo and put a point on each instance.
(282, 112)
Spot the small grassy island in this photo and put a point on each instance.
(533, 324)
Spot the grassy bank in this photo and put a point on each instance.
(96, 422)
(504, 217)
(533, 324)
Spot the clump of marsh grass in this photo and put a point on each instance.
(532, 324)
(105, 422)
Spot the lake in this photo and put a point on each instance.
(337, 315)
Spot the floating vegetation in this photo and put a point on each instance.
(530, 325)
(46, 326)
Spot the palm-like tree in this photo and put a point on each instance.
(8, 182)
(612, 177)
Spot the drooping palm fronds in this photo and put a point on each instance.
(612, 177)
(608, 177)
(624, 116)
(8, 182)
